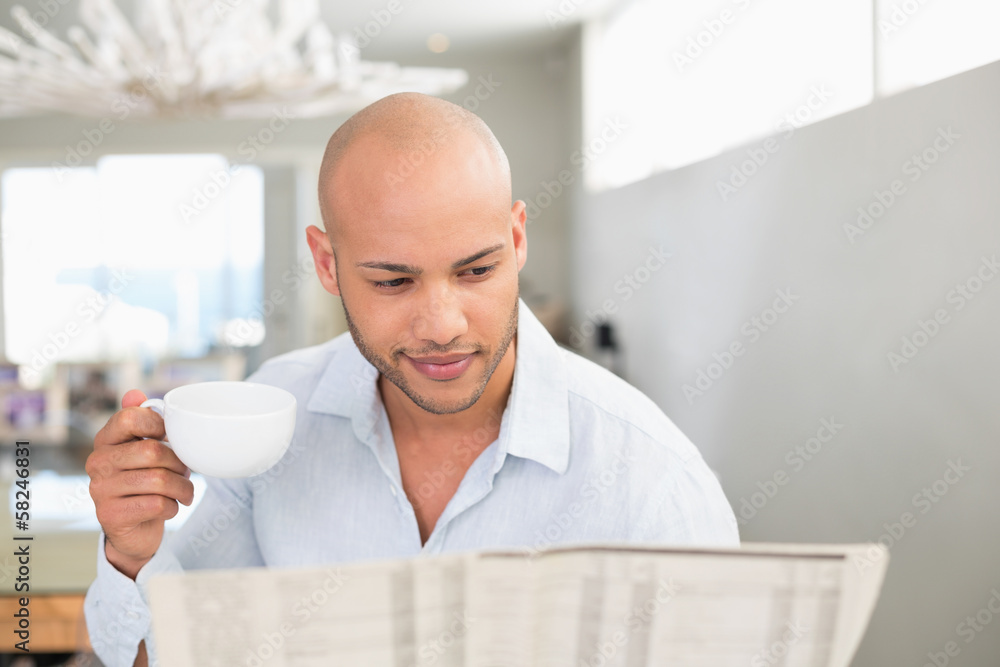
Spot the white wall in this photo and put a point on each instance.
(826, 357)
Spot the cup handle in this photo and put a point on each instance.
(157, 406)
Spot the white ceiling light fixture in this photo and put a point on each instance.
(220, 58)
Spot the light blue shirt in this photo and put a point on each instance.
(582, 456)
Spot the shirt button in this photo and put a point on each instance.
(393, 489)
(134, 615)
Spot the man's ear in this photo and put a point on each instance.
(322, 251)
(518, 221)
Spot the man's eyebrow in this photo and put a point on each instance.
(482, 253)
(412, 270)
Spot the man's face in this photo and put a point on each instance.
(426, 264)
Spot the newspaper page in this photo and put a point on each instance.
(762, 605)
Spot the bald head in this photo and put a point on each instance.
(406, 128)
(423, 245)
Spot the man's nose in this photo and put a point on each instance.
(441, 318)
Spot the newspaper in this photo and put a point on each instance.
(761, 605)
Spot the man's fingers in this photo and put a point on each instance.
(146, 482)
(140, 454)
(133, 398)
(157, 481)
(133, 510)
(128, 424)
(136, 455)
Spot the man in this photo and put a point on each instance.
(448, 420)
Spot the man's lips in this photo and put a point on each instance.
(442, 367)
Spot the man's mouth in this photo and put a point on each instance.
(444, 367)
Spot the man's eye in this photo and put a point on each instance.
(483, 269)
(478, 272)
(389, 283)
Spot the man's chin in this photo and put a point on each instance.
(440, 404)
(442, 390)
(442, 396)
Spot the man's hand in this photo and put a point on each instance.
(136, 483)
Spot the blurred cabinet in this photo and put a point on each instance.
(57, 623)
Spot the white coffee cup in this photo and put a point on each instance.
(227, 429)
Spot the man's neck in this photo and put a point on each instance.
(413, 424)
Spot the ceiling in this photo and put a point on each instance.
(470, 26)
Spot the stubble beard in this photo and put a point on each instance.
(393, 373)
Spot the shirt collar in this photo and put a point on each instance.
(535, 424)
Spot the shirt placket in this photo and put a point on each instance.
(474, 487)
(372, 427)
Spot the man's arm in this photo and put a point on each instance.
(117, 615)
(136, 484)
(689, 507)
(218, 534)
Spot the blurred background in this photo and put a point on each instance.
(777, 219)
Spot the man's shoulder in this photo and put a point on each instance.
(606, 398)
(302, 366)
(620, 433)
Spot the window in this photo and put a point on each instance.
(920, 41)
(682, 82)
(137, 257)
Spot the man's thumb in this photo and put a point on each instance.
(133, 398)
